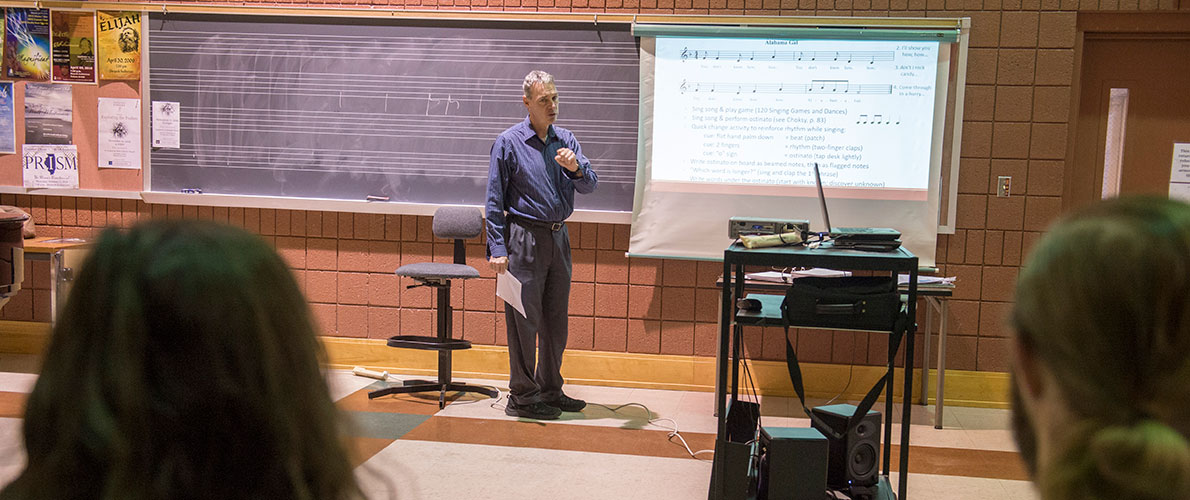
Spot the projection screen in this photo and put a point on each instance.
(734, 118)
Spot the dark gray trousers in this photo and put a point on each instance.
(540, 259)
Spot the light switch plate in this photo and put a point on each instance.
(1004, 186)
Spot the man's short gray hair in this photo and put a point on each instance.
(535, 77)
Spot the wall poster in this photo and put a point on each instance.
(72, 36)
(119, 45)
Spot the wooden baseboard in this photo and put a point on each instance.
(652, 371)
(659, 371)
(23, 337)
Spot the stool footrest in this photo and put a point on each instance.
(428, 343)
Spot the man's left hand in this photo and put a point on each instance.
(566, 158)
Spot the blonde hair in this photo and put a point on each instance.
(1104, 303)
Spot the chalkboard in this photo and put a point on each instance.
(341, 108)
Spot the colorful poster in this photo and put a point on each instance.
(8, 130)
(27, 43)
(49, 115)
(72, 36)
(50, 166)
(167, 124)
(119, 133)
(119, 45)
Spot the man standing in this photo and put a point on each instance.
(535, 170)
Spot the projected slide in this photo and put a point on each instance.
(756, 111)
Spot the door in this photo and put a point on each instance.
(1154, 71)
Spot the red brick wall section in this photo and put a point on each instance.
(1020, 71)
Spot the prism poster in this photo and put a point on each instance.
(50, 166)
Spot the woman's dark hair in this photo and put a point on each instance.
(184, 365)
(1104, 303)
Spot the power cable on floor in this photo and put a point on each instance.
(673, 432)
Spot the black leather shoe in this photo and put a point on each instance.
(537, 411)
(567, 403)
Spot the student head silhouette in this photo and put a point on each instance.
(1102, 353)
(183, 365)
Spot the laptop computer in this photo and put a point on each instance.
(859, 238)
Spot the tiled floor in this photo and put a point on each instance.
(407, 448)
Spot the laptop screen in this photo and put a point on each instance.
(822, 199)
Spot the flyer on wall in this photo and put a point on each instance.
(48, 114)
(119, 133)
(27, 43)
(8, 131)
(119, 45)
(72, 36)
(50, 166)
(167, 124)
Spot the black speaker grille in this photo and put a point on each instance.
(862, 463)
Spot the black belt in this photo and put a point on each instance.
(525, 221)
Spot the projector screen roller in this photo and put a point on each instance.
(732, 126)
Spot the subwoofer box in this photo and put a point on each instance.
(794, 464)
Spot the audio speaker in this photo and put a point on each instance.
(794, 462)
(853, 460)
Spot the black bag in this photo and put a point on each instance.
(852, 302)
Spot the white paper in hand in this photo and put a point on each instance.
(509, 289)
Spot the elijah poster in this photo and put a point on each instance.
(119, 45)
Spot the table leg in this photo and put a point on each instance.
(944, 312)
(719, 395)
(925, 353)
(907, 398)
(55, 265)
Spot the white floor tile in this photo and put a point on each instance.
(431, 470)
(17, 382)
(12, 449)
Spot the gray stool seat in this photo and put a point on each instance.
(437, 270)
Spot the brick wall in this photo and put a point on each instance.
(1020, 71)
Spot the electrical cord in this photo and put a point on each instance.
(816, 242)
(650, 420)
(750, 386)
(673, 432)
(850, 370)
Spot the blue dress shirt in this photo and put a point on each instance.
(524, 180)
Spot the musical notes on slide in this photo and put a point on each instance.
(847, 56)
(824, 87)
(878, 119)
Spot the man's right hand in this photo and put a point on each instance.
(499, 264)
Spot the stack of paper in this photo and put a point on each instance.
(781, 277)
(903, 279)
